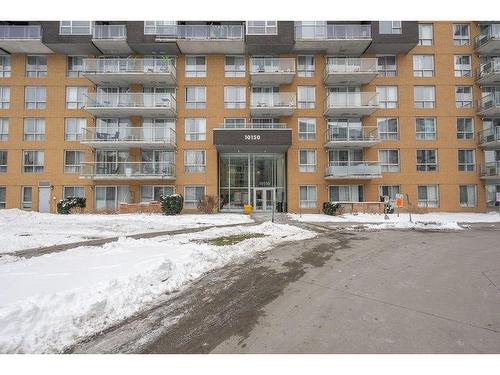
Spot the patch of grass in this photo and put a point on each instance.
(234, 239)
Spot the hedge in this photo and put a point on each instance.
(65, 205)
(171, 204)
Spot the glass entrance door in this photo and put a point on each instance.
(264, 199)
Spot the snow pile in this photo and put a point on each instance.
(451, 225)
(26, 229)
(49, 302)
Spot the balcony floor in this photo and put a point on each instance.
(359, 177)
(127, 79)
(282, 78)
(124, 177)
(490, 112)
(352, 144)
(350, 111)
(334, 46)
(489, 79)
(132, 111)
(271, 111)
(24, 46)
(111, 145)
(491, 47)
(351, 79)
(228, 46)
(113, 46)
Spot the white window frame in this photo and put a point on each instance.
(3, 167)
(425, 135)
(463, 134)
(310, 165)
(189, 203)
(3, 197)
(461, 40)
(73, 168)
(199, 131)
(462, 70)
(26, 204)
(425, 41)
(72, 73)
(4, 97)
(38, 70)
(426, 203)
(308, 102)
(462, 99)
(308, 202)
(4, 129)
(195, 167)
(38, 131)
(197, 103)
(387, 70)
(423, 68)
(5, 66)
(78, 121)
(268, 28)
(388, 135)
(37, 103)
(195, 70)
(396, 27)
(350, 190)
(38, 165)
(383, 96)
(466, 166)
(232, 71)
(153, 188)
(306, 70)
(151, 27)
(239, 93)
(467, 204)
(68, 25)
(427, 166)
(422, 102)
(310, 123)
(388, 166)
(79, 101)
(80, 189)
(392, 190)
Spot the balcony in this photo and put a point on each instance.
(130, 104)
(128, 137)
(490, 171)
(273, 104)
(351, 71)
(111, 39)
(489, 73)
(128, 171)
(490, 138)
(488, 41)
(272, 70)
(126, 72)
(355, 170)
(220, 39)
(351, 104)
(348, 137)
(22, 39)
(489, 105)
(333, 39)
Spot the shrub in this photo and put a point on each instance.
(171, 204)
(332, 209)
(64, 206)
(208, 204)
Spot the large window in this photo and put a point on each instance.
(160, 28)
(463, 96)
(427, 160)
(465, 128)
(388, 96)
(109, 197)
(195, 129)
(35, 97)
(389, 191)
(305, 66)
(194, 161)
(234, 97)
(26, 197)
(387, 65)
(307, 128)
(234, 66)
(154, 192)
(33, 161)
(306, 97)
(4, 129)
(193, 195)
(75, 27)
(461, 34)
(425, 128)
(425, 34)
(196, 97)
(390, 27)
(75, 66)
(308, 196)
(389, 160)
(463, 66)
(235, 122)
(345, 193)
(4, 97)
(34, 129)
(3, 196)
(307, 160)
(5, 66)
(388, 128)
(73, 161)
(196, 66)
(75, 97)
(73, 128)
(424, 96)
(423, 65)
(73, 191)
(262, 27)
(468, 196)
(3, 161)
(427, 196)
(466, 161)
(36, 66)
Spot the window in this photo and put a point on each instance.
(73, 191)
(306, 97)
(461, 34)
(468, 196)
(389, 191)
(73, 161)
(234, 66)
(75, 97)
(388, 128)
(26, 197)
(423, 65)
(234, 97)
(424, 96)
(386, 66)
(4, 129)
(307, 160)
(194, 161)
(196, 97)
(465, 128)
(33, 161)
(4, 97)
(75, 66)
(389, 160)
(425, 128)
(462, 65)
(108, 197)
(36, 66)
(388, 96)
(34, 129)
(75, 27)
(389, 27)
(262, 27)
(234, 123)
(35, 97)
(426, 160)
(427, 196)
(154, 192)
(3, 196)
(195, 129)
(466, 162)
(307, 128)
(192, 195)
(305, 66)
(4, 66)
(3, 161)
(463, 96)
(345, 193)
(425, 34)
(196, 66)
(160, 28)
(73, 128)
(308, 196)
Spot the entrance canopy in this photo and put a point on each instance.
(253, 140)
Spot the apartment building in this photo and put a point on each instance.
(282, 113)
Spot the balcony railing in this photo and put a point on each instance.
(491, 67)
(491, 32)
(130, 65)
(250, 125)
(272, 65)
(121, 170)
(273, 100)
(489, 101)
(130, 100)
(162, 135)
(109, 32)
(20, 32)
(489, 135)
(352, 65)
(351, 100)
(332, 32)
(491, 169)
(352, 134)
(207, 32)
(353, 169)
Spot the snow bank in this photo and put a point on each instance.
(451, 225)
(49, 302)
(25, 229)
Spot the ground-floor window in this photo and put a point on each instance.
(308, 196)
(154, 192)
(109, 197)
(192, 195)
(428, 196)
(345, 193)
(467, 195)
(389, 191)
(26, 197)
(74, 191)
(3, 196)
(491, 191)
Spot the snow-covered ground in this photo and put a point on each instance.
(25, 229)
(49, 302)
